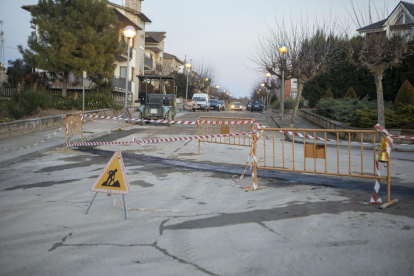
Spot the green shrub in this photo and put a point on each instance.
(404, 96)
(393, 119)
(28, 102)
(288, 104)
(16, 110)
(99, 101)
(342, 109)
(273, 98)
(351, 93)
(328, 94)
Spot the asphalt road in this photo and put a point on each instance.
(196, 222)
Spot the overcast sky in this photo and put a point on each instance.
(220, 32)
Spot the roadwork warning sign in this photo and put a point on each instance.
(113, 178)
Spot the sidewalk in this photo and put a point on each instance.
(303, 123)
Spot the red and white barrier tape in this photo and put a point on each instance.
(402, 137)
(331, 140)
(149, 141)
(172, 122)
(389, 143)
(34, 144)
(251, 159)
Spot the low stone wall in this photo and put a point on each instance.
(326, 123)
(22, 127)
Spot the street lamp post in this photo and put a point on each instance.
(188, 66)
(129, 32)
(283, 49)
(217, 87)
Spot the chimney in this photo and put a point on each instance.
(133, 4)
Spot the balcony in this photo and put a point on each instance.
(148, 63)
(124, 55)
(119, 84)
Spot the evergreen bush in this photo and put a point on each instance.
(328, 94)
(393, 119)
(351, 93)
(342, 109)
(405, 96)
(288, 104)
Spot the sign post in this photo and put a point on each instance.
(83, 87)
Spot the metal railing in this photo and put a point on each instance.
(225, 125)
(7, 91)
(148, 63)
(304, 150)
(125, 53)
(120, 84)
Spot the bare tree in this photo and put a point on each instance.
(311, 51)
(376, 51)
(207, 74)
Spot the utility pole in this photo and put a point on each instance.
(1, 42)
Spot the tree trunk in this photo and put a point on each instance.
(380, 96)
(295, 109)
(65, 84)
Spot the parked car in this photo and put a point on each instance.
(248, 105)
(257, 105)
(222, 106)
(215, 105)
(236, 106)
(203, 102)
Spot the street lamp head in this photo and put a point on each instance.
(258, 92)
(217, 86)
(188, 65)
(230, 95)
(224, 91)
(129, 31)
(260, 89)
(268, 74)
(227, 93)
(206, 79)
(262, 84)
(283, 48)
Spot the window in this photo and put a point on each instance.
(122, 72)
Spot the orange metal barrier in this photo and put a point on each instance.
(224, 125)
(293, 156)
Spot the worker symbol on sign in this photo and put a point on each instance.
(110, 180)
(113, 178)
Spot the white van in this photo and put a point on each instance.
(203, 101)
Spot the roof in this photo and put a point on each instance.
(169, 56)
(409, 7)
(155, 49)
(150, 39)
(143, 17)
(158, 36)
(122, 16)
(376, 25)
(379, 24)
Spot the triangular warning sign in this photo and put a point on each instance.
(113, 178)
